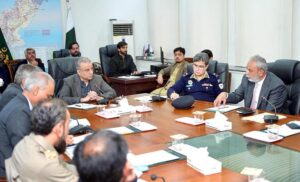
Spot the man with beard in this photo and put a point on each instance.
(36, 156)
(257, 84)
(15, 116)
(174, 71)
(74, 49)
(122, 63)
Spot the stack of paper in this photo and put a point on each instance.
(155, 157)
(82, 106)
(121, 130)
(223, 108)
(143, 126)
(189, 120)
(262, 136)
(284, 130)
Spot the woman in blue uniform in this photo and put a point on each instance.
(200, 84)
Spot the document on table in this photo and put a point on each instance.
(129, 77)
(75, 122)
(143, 126)
(284, 130)
(146, 98)
(223, 108)
(189, 120)
(121, 130)
(259, 118)
(155, 157)
(82, 106)
(262, 136)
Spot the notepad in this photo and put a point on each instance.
(121, 130)
(261, 136)
(155, 157)
(143, 126)
(190, 121)
(223, 108)
(82, 106)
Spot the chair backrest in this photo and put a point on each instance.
(106, 53)
(60, 68)
(12, 68)
(221, 69)
(61, 53)
(289, 72)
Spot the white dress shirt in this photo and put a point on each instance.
(256, 93)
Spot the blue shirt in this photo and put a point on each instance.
(206, 89)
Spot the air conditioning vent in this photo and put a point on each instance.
(122, 29)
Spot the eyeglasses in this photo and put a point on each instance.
(199, 66)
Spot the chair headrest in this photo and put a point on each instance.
(111, 50)
(284, 69)
(183, 102)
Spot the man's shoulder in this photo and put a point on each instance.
(17, 104)
(13, 88)
(71, 78)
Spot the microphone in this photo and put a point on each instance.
(155, 177)
(104, 100)
(271, 118)
(157, 98)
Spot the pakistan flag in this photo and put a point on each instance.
(70, 34)
(4, 50)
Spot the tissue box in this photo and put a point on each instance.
(205, 165)
(218, 125)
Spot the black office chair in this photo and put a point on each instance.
(61, 53)
(60, 68)
(106, 53)
(289, 72)
(221, 69)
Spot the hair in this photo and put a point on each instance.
(39, 79)
(260, 62)
(24, 71)
(102, 156)
(82, 60)
(208, 52)
(71, 45)
(45, 115)
(121, 44)
(180, 49)
(28, 49)
(201, 57)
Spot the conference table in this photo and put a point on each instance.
(239, 151)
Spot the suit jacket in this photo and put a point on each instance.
(120, 66)
(272, 89)
(9, 93)
(71, 90)
(35, 159)
(15, 123)
(24, 61)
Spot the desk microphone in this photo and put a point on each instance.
(104, 100)
(155, 177)
(271, 118)
(157, 98)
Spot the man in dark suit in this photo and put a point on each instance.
(15, 88)
(85, 86)
(122, 63)
(256, 85)
(15, 116)
(30, 56)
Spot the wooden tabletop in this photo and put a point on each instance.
(163, 116)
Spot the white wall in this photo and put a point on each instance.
(92, 25)
(164, 26)
(204, 26)
(296, 30)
